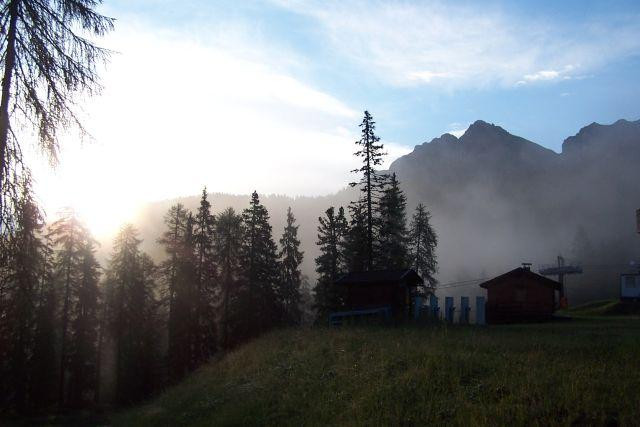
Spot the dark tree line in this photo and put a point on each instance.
(49, 312)
(49, 277)
(376, 235)
(224, 280)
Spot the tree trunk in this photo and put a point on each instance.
(65, 327)
(10, 62)
(369, 210)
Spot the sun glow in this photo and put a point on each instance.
(88, 182)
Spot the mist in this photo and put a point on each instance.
(497, 200)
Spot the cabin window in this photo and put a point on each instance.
(629, 282)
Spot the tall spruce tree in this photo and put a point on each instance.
(186, 300)
(370, 152)
(176, 272)
(47, 57)
(259, 307)
(423, 242)
(290, 274)
(204, 318)
(391, 244)
(18, 311)
(356, 245)
(83, 349)
(228, 243)
(132, 317)
(330, 264)
(43, 361)
(69, 237)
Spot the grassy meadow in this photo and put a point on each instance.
(582, 371)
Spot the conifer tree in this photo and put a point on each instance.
(330, 264)
(175, 270)
(423, 242)
(391, 244)
(69, 237)
(187, 303)
(228, 243)
(84, 327)
(43, 361)
(204, 324)
(290, 275)
(132, 317)
(18, 310)
(259, 307)
(370, 152)
(356, 251)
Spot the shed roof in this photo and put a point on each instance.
(519, 273)
(381, 277)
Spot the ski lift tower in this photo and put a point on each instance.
(561, 270)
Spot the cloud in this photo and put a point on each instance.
(178, 113)
(459, 46)
(458, 129)
(548, 75)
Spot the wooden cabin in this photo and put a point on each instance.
(520, 295)
(390, 293)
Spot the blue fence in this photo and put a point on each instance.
(423, 312)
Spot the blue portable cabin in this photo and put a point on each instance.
(390, 294)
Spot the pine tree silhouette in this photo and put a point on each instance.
(423, 242)
(290, 276)
(370, 151)
(391, 245)
(331, 262)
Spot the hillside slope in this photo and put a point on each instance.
(581, 372)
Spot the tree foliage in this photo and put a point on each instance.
(370, 183)
(72, 265)
(290, 275)
(259, 305)
(391, 244)
(331, 262)
(228, 243)
(203, 316)
(132, 317)
(179, 276)
(423, 242)
(45, 62)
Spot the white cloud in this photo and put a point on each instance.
(458, 129)
(457, 133)
(548, 75)
(178, 113)
(428, 76)
(456, 46)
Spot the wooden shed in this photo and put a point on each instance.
(393, 291)
(520, 295)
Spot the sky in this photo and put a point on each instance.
(268, 95)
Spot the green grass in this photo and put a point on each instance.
(580, 371)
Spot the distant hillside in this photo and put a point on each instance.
(498, 200)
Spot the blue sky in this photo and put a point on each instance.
(267, 95)
(601, 82)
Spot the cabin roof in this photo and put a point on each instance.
(519, 273)
(379, 277)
